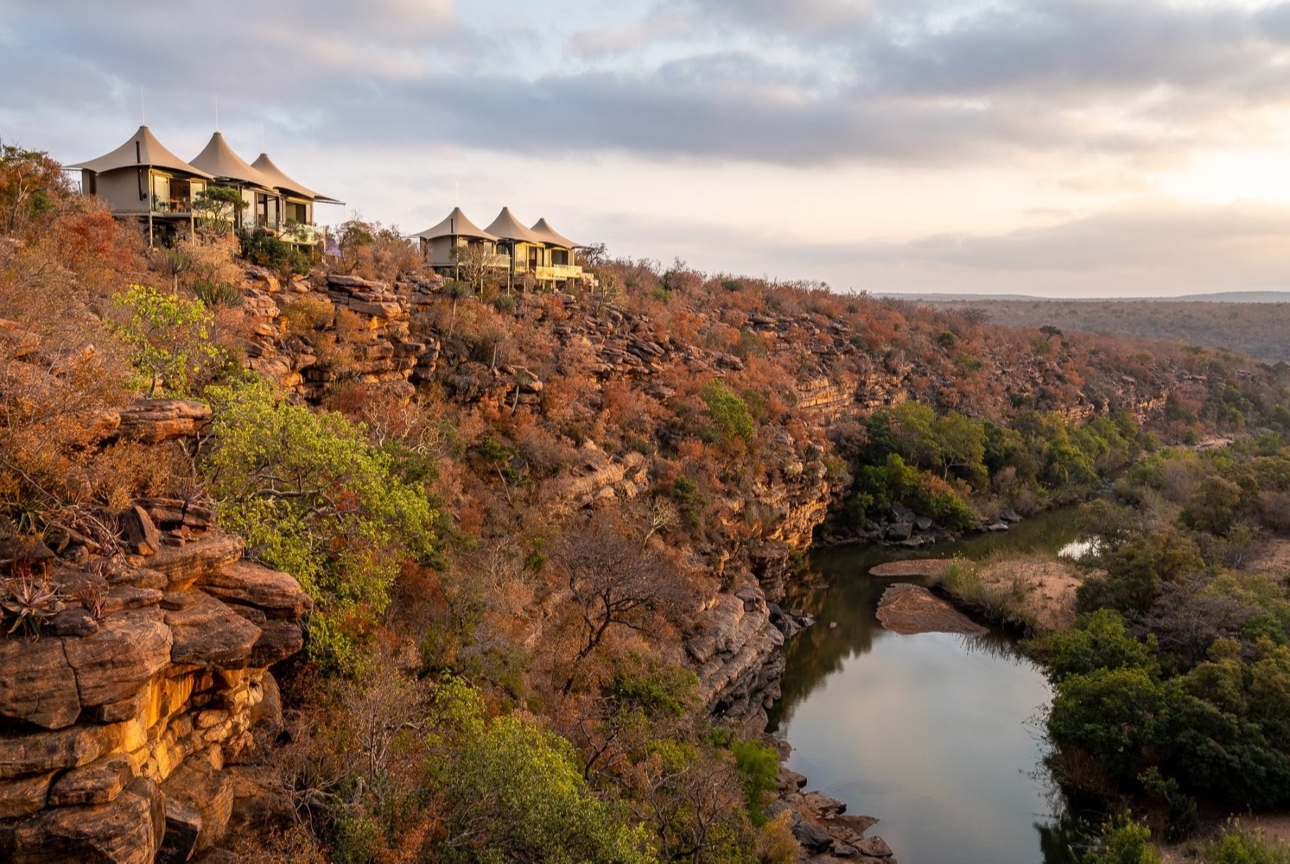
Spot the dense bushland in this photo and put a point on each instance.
(1174, 685)
(495, 671)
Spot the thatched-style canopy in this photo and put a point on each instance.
(142, 150)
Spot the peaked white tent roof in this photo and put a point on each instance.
(219, 160)
(508, 227)
(143, 149)
(281, 181)
(455, 224)
(549, 235)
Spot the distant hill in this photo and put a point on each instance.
(1216, 297)
(1253, 324)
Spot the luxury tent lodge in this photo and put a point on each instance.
(142, 179)
(506, 244)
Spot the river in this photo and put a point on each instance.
(938, 735)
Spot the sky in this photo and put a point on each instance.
(1107, 148)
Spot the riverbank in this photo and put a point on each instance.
(878, 719)
(820, 824)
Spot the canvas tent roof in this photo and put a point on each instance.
(219, 160)
(143, 148)
(508, 227)
(455, 224)
(547, 234)
(281, 181)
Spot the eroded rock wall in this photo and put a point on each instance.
(116, 724)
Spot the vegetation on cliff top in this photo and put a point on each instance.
(469, 545)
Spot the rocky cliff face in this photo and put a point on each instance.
(120, 725)
(841, 380)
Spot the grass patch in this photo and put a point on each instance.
(1237, 845)
(1010, 591)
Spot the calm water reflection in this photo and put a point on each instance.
(935, 734)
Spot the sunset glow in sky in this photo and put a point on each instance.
(1059, 147)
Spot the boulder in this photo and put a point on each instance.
(24, 796)
(183, 828)
(184, 565)
(277, 594)
(124, 597)
(127, 831)
(37, 684)
(899, 531)
(114, 664)
(874, 847)
(99, 782)
(278, 641)
(206, 790)
(39, 752)
(72, 621)
(812, 836)
(208, 633)
(823, 804)
(138, 532)
(152, 421)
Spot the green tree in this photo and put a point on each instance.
(313, 498)
(1101, 642)
(515, 792)
(1111, 715)
(216, 209)
(729, 413)
(168, 335)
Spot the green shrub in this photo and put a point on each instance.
(1245, 847)
(758, 767)
(313, 498)
(168, 336)
(1100, 642)
(1127, 842)
(690, 501)
(729, 413)
(515, 792)
(264, 249)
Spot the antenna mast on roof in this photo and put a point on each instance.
(143, 108)
(216, 113)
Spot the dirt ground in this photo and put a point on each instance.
(909, 609)
(914, 568)
(1042, 589)
(1271, 557)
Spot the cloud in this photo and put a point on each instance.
(816, 82)
(1152, 247)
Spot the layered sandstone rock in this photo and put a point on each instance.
(116, 725)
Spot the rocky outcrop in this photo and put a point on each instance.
(735, 656)
(152, 421)
(910, 609)
(821, 825)
(117, 723)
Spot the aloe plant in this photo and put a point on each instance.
(29, 602)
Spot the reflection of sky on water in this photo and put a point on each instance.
(931, 738)
(934, 734)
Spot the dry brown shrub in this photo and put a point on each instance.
(306, 314)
